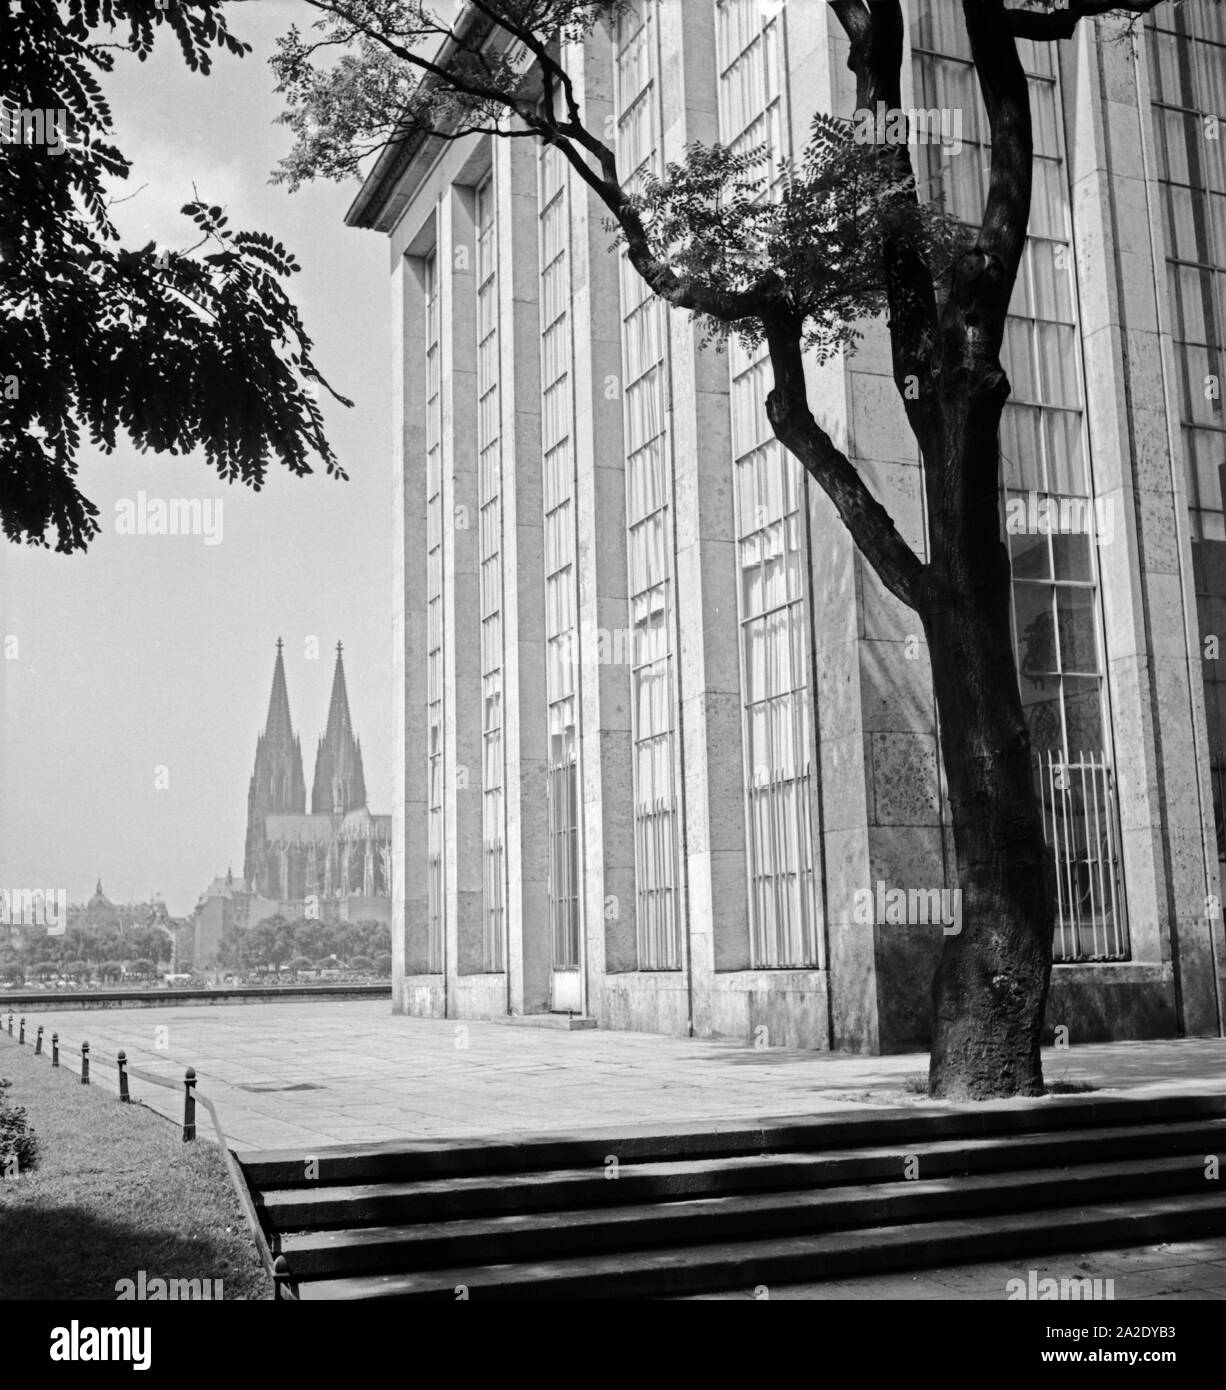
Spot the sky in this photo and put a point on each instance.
(130, 710)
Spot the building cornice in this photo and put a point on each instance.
(388, 188)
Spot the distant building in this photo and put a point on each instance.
(226, 903)
(333, 862)
(101, 914)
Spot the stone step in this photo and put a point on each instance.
(566, 1023)
(321, 1207)
(791, 1259)
(696, 1223)
(452, 1157)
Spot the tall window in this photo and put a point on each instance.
(557, 444)
(434, 623)
(1052, 520)
(750, 46)
(1187, 73)
(489, 482)
(649, 483)
(771, 506)
(1187, 65)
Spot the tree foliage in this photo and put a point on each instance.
(175, 350)
(18, 1142)
(826, 237)
(84, 946)
(277, 941)
(384, 80)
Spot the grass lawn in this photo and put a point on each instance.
(115, 1191)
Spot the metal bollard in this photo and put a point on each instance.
(38, 1042)
(281, 1279)
(85, 1064)
(21, 1036)
(55, 1049)
(123, 1076)
(189, 1105)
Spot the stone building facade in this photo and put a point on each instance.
(659, 726)
(226, 905)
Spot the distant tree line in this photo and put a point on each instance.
(278, 943)
(104, 952)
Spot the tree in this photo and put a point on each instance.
(370, 937)
(107, 944)
(849, 237)
(231, 953)
(79, 941)
(178, 349)
(143, 969)
(269, 943)
(146, 940)
(308, 936)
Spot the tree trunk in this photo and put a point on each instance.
(990, 988)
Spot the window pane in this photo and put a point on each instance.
(1078, 644)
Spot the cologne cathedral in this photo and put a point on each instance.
(333, 862)
(336, 852)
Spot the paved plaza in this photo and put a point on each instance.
(312, 1074)
(288, 1074)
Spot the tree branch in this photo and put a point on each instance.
(1002, 235)
(570, 136)
(540, 51)
(1062, 22)
(871, 526)
(853, 15)
(963, 494)
(876, 34)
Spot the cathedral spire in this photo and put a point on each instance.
(277, 783)
(278, 725)
(340, 785)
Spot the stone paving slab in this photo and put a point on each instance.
(1186, 1270)
(387, 1076)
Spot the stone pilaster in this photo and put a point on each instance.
(409, 823)
(462, 859)
(607, 854)
(707, 631)
(524, 722)
(1149, 602)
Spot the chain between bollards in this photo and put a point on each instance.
(189, 1105)
(189, 1079)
